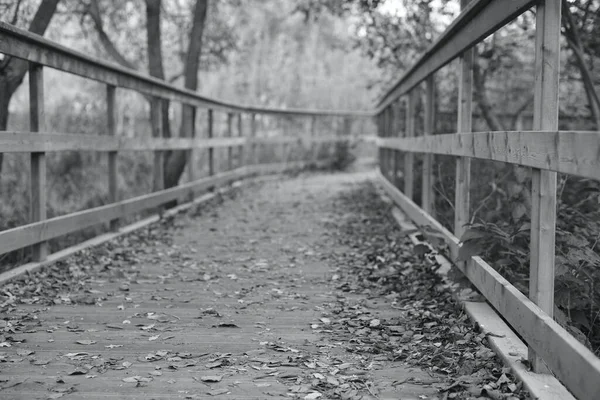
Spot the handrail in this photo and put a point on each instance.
(34, 48)
(546, 149)
(479, 19)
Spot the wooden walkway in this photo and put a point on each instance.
(232, 302)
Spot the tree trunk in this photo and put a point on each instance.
(177, 160)
(13, 70)
(574, 41)
(155, 62)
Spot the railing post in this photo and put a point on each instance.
(111, 122)
(385, 152)
(191, 152)
(462, 198)
(37, 116)
(391, 153)
(156, 126)
(229, 134)
(252, 155)
(409, 158)
(240, 148)
(543, 183)
(211, 150)
(314, 146)
(397, 154)
(427, 195)
(379, 124)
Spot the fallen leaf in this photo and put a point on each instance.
(217, 392)
(86, 342)
(211, 378)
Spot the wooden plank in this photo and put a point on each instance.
(391, 133)
(191, 154)
(111, 126)
(229, 133)
(211, 155)
(512, 351)
(543, 183)
(253, 154)
(37, 116)
(573, 364)
(26, 235)
(503, 340)
(314, 150)
(478, 20)
(427, 194)
(568, 358)
(398, 155)
(409, 159)
(462, 194)
(28, 46)
(157, 132)
(569, 152)
(241, 151)
(26, 142)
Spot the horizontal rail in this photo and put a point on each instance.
(28, 46)
(569, 152)
(479, 19)
(576, 366)
(31, 142)
(27, 142)
(37, 232)
(27, 235)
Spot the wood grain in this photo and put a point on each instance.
(576, 366)
(37, 116)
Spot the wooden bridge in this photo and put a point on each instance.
(182, 317)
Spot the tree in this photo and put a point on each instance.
(580, 28)
(174, 161)
(13, 70)
(177, 160)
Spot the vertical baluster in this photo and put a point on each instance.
(240, 148)
(111, 114)
(156, 123)
(229, 134)
(314, 146)
(380, 151)
(252, 156)
(191, 153)
(397, 133)
(211, 150)
(462, 198)
(386, 151)
(427, 195)
(543, 193)
(391, 134)
(409, 157)
(37, 123)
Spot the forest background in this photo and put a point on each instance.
(325, 54)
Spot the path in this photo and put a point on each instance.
(246, 300)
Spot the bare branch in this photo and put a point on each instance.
(107, 43)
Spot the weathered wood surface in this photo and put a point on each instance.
(543, 182)
(569, 152)
(25, 142)
(576, 366)
(37, 181)
(256, 262)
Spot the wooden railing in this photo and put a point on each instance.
(545, 149)
(42, 53)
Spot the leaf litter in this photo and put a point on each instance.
(426, 331)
